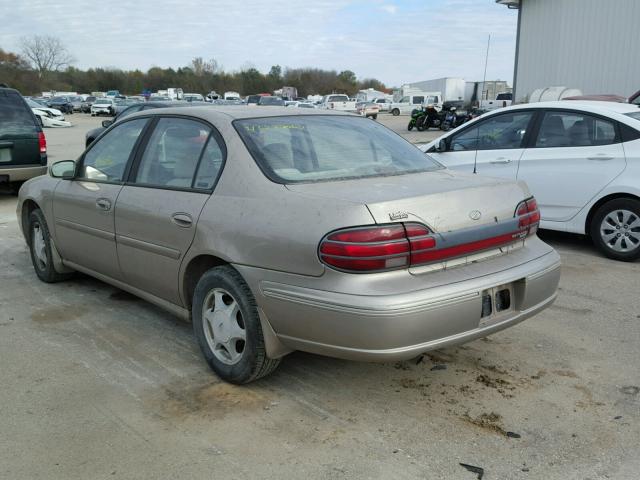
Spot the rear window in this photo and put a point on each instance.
(315, 148)
(15, 116)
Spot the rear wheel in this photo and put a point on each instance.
(395, 112)
(227, 327)
(615, 229)
(40, 249)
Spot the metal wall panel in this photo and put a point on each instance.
(593, 45)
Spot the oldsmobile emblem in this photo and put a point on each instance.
(475, 214)
(398, 215)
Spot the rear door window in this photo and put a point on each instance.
(172, 155)
(574, 129)
(16, 119)
(498, 132)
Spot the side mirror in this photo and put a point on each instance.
(441, 146)
(65, 169)
(107, 123)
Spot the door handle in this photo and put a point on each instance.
(103, 204)
(600, 156)
(500, 161)
(183, 220)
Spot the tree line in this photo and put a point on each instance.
(44, 64)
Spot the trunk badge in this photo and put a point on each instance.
(398, 215)
(475, 214)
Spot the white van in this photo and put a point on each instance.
(408, 103)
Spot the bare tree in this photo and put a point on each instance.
(46, 53)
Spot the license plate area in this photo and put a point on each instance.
(5, 155)
(497, 302)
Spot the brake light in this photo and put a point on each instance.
(528, 216)
(366, 248)
(42, 142)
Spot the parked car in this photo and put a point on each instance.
(103, 106)
(91, 135)
(23, 147)
(502, 100)
(193, 97)
(252, 100)
(60, 103)
(410, 102)
(580, 159)
(368, 109)
(384, 104)
(270, 101)
(123, 103)
(373, 251)
(76, 103)
(86, 105)
(338, 102)
(47, 117)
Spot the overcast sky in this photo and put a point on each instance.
(396, 41)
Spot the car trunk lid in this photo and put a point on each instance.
(460, 209)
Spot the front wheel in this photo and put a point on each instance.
(40, 249)
(615, 229)
(227, 327)
(410, 126)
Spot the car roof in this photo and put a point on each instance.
(213, 112)
(586, 105)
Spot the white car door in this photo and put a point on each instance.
(573, 157)
(494, 145)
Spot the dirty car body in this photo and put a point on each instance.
(329, 232)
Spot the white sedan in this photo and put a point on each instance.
(48, 117)
(580, 159)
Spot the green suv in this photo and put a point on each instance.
(23, 148)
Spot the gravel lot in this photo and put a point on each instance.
(98, 384)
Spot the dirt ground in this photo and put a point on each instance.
(98, 384)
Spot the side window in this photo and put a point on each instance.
(404, 100)
(495, 133)
(417, 100)
(107, 159)
(171, 156)
(210, 165)
(574, 129)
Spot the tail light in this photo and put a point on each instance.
(401, 245)
(42, 142)
(528, 216)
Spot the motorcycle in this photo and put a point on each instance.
(417, 116)
(424, 118)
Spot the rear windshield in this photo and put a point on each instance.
(315, 148)
(15, 116)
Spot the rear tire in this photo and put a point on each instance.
(615, 229)
(395, 112)
(40, 249)
(227, 327)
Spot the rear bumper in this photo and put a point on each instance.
(402, 325)
(13, 173)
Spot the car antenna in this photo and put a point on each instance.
(484, 79)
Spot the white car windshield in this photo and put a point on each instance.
(313, 148)
(635, 115)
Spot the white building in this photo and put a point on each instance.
(591, 45)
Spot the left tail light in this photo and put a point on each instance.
(42, 143)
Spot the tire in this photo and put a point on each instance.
(238, 361)
(615, 229)
(43, 260)
(40, 121)
(375, 117)
(395, 112)
(410, 126)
